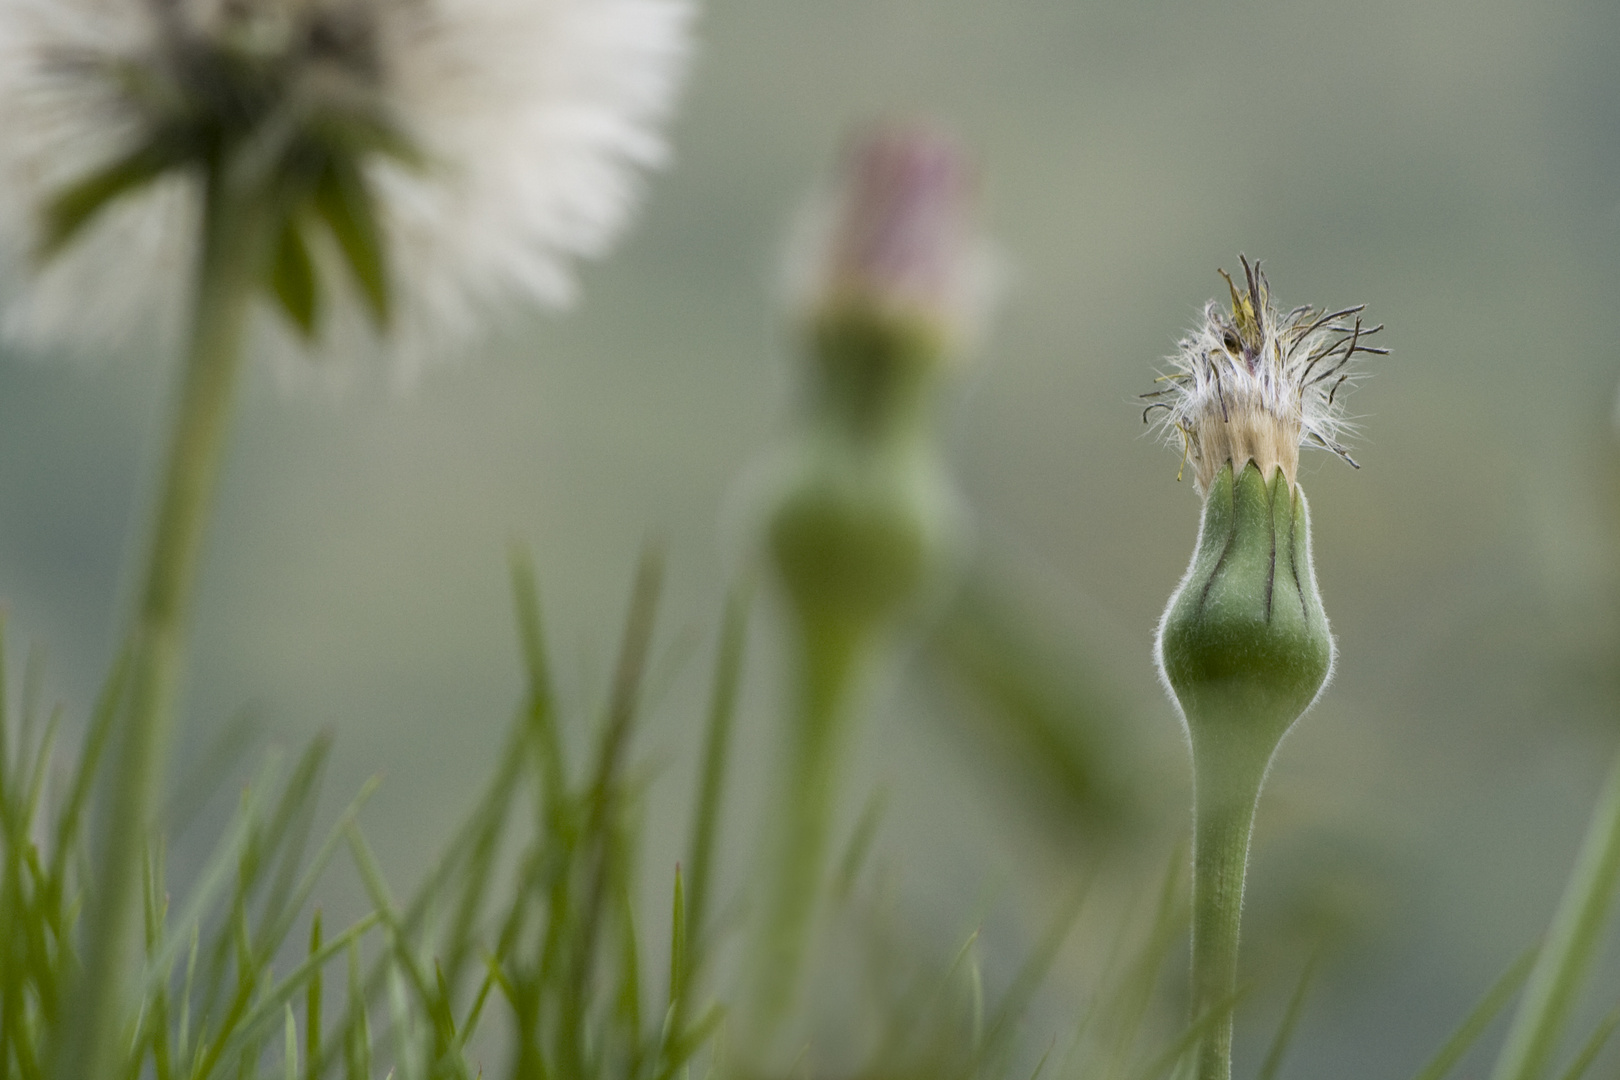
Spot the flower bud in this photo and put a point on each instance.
(1244, 641)
(1244, 646)
(866, 515)
(864, 520)
(901, 247)
(890, 283)
(857, 537)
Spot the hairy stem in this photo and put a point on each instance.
(1226, 790)
(93, 1036)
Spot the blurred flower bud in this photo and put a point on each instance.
(867, 514)
(863, 520)
(902, 240)
(855, 539)
(893, 278)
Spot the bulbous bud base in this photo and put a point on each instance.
(857, 538)
(1244, 643)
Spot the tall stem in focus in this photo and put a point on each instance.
(93, 1039)
(1245, 646)
(1226, 790)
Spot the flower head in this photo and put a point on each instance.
(1256, 383)
(866, 520)
(432, 159)
(1244, 647)
(896, 239)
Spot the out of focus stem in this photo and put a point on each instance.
(832, 655)
(94, 1039)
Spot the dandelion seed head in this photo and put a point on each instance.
(533, 121)
(1254, 383)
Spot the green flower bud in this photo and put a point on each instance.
(858, 534)
(865, 518)
(872, 374)
(863, 521)
(1244, 644)
(900, 244)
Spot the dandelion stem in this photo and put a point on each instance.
(1226, 789)
(1245, 647)
(831, 657)
(224, 289)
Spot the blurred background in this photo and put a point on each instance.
(1454, 165)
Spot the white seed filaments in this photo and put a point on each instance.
(1256, 383)
(493, 141)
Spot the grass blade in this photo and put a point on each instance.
(356, 1032)
(255, 1023)
(677, 945)
(1594, 1046)
(1290, 1020)
(1134, 997)
(1495, 999)
(71, 821)
(289, 1046)
(312, 1003)
(1191, 1036)
(859, 848)
(602, 797)
(1570, 944)
(213, 879)
(716, 752)
(1016, 1000)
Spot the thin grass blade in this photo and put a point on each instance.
(728, 669)
(1593, 1046)
(1179, 1051)
(1494, 1001)
(312, 1000)
(1570, 945)
(1290, 1022)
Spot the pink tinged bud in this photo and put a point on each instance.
(903, 241)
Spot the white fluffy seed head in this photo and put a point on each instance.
(533, 119)
(1255, 383)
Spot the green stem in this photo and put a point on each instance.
(831, 658)
(1229, 772)
(93, 1044)
(1570, 945)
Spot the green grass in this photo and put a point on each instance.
(522, 951)
(552, 942)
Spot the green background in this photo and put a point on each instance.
(1454, 165)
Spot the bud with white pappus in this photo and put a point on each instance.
(1244, 645)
